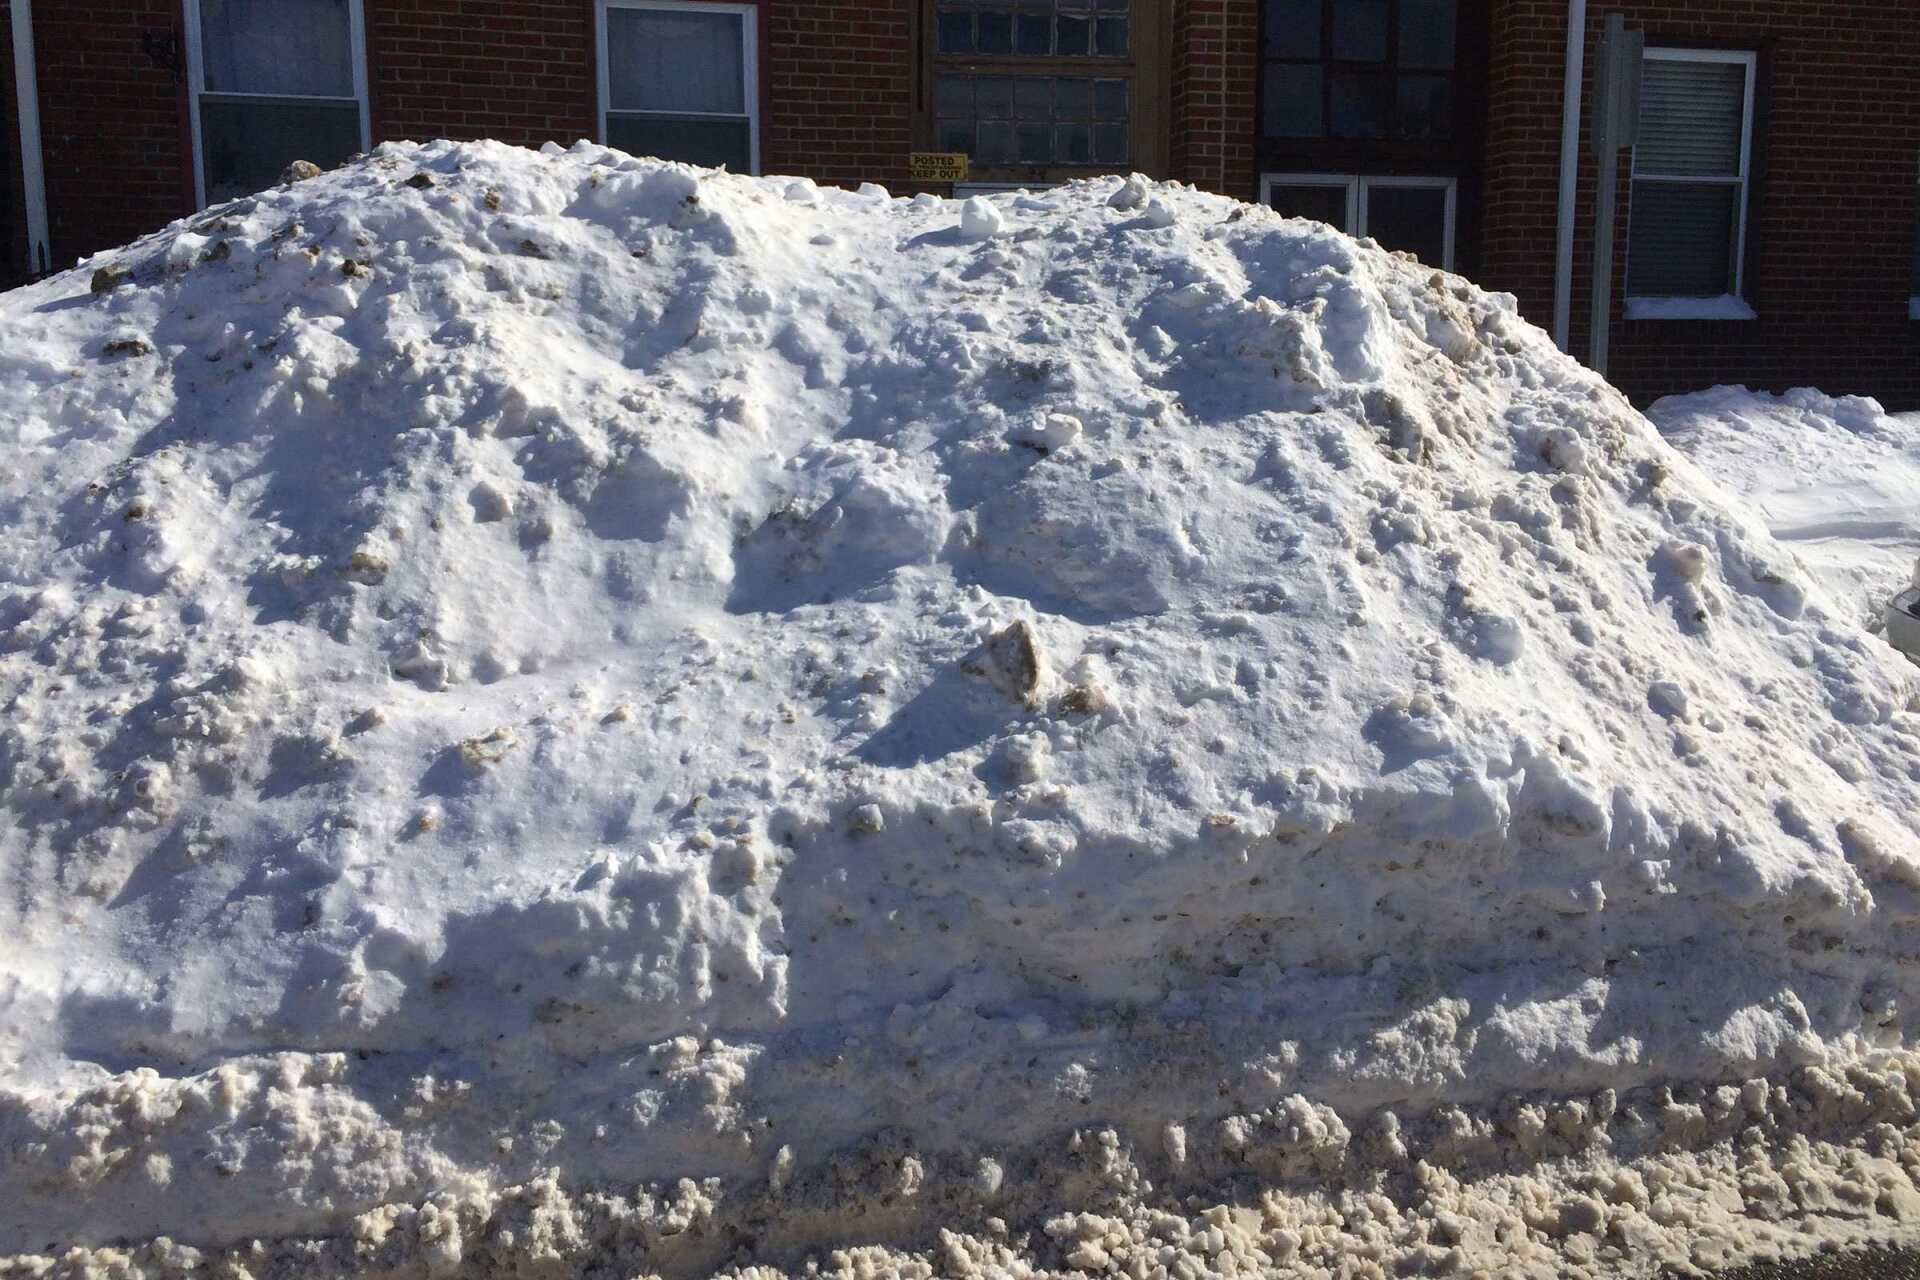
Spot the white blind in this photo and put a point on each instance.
(676, 60)
(1691, 115)
(296, 48)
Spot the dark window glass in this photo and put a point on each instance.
(292, 48)
(1295, 107)
(996, 33)
(995, 145)
(956, 33)
(1413, 219)
(1034, 143)
(704, 142)
(1110, 100)
(247, 143)
(1425, 107)
(1074, 144)
(1109, 144)
(1074, 33)
(952, 96)
(1320, 203)
(1293, 29)
(1034, 34)
(1360, 30)
(993, 96)
(1110, 37)
(1916, 254)
(1033, 98)
(1359, 105)
(1680, 238)
(1071, 98)
(955, 135)
(1426, 34)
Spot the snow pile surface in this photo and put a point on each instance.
(562, 671)
(1835, 478)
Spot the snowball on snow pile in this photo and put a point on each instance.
(579, 673)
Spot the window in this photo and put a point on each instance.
(678, 81)
(1913, 304)
(273, 81)
(1414, 215)
(1686, 236)
(1359, 69)
(1043, 89)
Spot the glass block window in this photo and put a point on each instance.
(1033, 28)
(274, 81)
(1359, 69)
(1033, 120)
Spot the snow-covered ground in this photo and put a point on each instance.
(565, 711)
(1837, 479)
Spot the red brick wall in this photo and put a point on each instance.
(113, 123)
(1216, 69)
(521, 71)
(837, 102)
(1830, 217)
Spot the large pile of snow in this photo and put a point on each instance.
(1835, 478)
(563, 672)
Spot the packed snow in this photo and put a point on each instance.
(1834, 478)
(565, 711)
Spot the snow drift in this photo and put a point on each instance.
(561, 671)
(1834, 478)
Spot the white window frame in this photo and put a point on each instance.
(1731, 306)
(749, 52)
(196, 86)
(1357, 187)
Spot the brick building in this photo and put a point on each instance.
(1768, 225)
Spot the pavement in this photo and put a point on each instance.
(1873, 1264)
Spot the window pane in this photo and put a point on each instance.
(1109, 144)
(1074, 36)
(1073, 99)
(1360, 30)
(1410, 218)
(994, 97)
(1034, 34)
(1320, 203)
(1426, 33)
(1109, 99)
(1359, 107)
(1074, 144)
(1110, 37)
(1425, 107)
(1293, 28)
(703, 142)
(1034, 143)
(1033, 99)
(1916, 257)
(1690, 118)
(995, 145)
(952, 96)
(277, 46)
(1294, 105)
(955, 135)
(956, 33)
(676, 60)
(1680, 239)
(245, 144)
(996, 33)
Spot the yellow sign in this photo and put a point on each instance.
(939, 166)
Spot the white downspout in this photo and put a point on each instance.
(1569, 170)
(32, 169)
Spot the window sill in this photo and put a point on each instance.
(1724, 307)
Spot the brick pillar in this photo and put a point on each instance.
(1525, 72)
(1216, 68)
